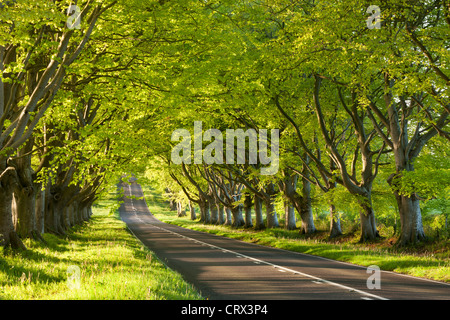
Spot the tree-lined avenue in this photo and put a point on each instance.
(223, 268)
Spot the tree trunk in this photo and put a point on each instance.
(172, 205)
(65, 219)
(24, 210)
(229, 215)
(25, 191)
(405, 151)
(53, 214)
(214, 213)
(335, 223)
(259, 219)
(180, 210)
(271, 214)
(411, 220)
(40, 211)
(248, 211)
(238, 220)
(289, 213)
(70, 214)
(306, 215)
(291, 200)
(205, 216)
(201, 206)
(221, 214)
(205, 213)
(8, 236)
(192, 210)
(78, 214)
(306, 212)
(53, 223)
(369, 230)
(85, 213)
(59, 195)
(335, 220)
(410, 215)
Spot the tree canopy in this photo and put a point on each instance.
(349, 109)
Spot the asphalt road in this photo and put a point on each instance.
(228, 269)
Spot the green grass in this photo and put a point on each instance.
(113, 265)
(428, 260)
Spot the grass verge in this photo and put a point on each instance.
(113, 265)
(428, 260)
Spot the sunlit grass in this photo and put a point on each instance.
(113, 266)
